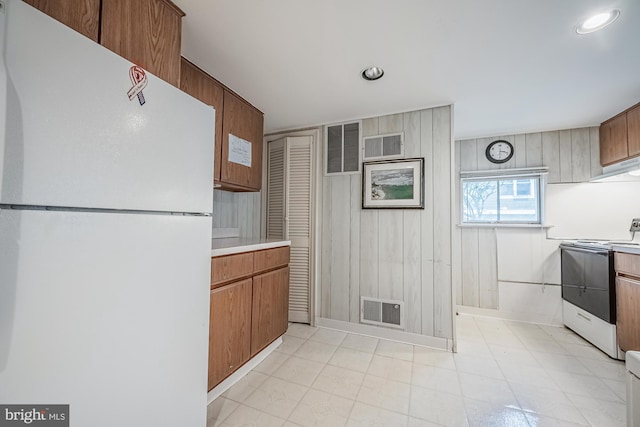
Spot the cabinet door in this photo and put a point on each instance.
(229, 329)
(81, 15)
(628, 308)
(613, 140)
(633, 131)
(202, 86)
(146, 32)
(243, 121)
(270, 308)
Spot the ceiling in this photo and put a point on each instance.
(509, 66)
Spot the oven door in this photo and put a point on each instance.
(588, 280)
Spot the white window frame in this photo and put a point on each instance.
(326, 148)
(382, 157)
(502, 175)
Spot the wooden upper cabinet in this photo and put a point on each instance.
(81, 15)
(202, 86)
(633, 131)
(613, 140)
(246, 122)
(146, 32)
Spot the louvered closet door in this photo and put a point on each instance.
(289, 184)
(275, 190)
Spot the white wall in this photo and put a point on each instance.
(517, 270)
(393, 254)
(237, 210)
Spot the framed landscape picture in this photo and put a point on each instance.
(393, 184)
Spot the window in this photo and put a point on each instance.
(342, 148)
(507, 199)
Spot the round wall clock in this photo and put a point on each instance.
(499, 151)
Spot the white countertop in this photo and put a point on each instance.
(629, 249)
(235, 245)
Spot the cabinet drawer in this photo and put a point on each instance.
(627, 264)
(230, 267)
(271, 258)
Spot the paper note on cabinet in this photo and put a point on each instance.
(239, 151)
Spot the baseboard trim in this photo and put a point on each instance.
(242, 371)
(388, 334)
(487, 312)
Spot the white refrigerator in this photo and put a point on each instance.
(105, 232)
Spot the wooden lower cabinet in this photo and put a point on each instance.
(270, 308)
(628, 309)
(249, 307)
(229, 329)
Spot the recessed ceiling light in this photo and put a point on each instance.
(372, 73)
(597, 22)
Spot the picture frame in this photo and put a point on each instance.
(393, 184)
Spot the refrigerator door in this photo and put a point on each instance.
(106, 312)
(73, 138)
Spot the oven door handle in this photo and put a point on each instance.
(590, 251)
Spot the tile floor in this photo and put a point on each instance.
(504, 374)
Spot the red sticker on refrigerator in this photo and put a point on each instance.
(139, 80)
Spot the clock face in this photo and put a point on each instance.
(499, 151)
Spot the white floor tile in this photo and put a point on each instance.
(339, 381)
(351, 359)
(316, 351)
(431, 357)
(529, 375)
(552, 403)
(437, 407)
(504, 374)
(301, 331)
(290, 344)
(396, 350)
(245, 416)
(269, 365)
(496, 392)
(393, 369)
(385, 393)
(276, 397)
(245, 386)
(363, 415)
(585, 385)
(219, 410)
(610, 369)
(483, 414)
(560, 363)
(299, 371)
(360, 343)
(537, 420)
(433, 378)
(328, 336)
(479, 365)
(601, 413)
(523, 356)
(321, 409)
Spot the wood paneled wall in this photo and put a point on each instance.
(571, 155)
(237, 210)
(393, 254)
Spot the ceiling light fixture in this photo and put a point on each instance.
(372, 73)
(597, 22)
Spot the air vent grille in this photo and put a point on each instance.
(382, 312)
(383, 146)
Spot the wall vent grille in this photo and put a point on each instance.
(388, 146)
(382, 312)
